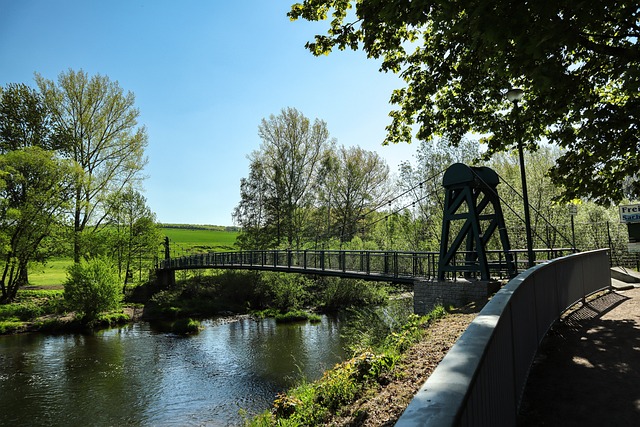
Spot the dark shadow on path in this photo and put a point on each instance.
(587, 371)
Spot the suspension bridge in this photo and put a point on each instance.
(385, 266)
(472, 213)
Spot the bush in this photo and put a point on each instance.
(93, 287)
(185, 327)
(286, 291)
(339, 293)
(296, 316)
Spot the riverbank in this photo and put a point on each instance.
(383, 389)
(384, 405)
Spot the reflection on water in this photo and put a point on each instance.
(136, 376)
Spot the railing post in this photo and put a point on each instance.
(386, 263)
(368, 261)
(395, 264)
(322, 260)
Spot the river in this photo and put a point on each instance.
(137, 376)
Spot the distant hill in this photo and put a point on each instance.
(201, 227)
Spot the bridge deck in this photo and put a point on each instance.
(388, 266)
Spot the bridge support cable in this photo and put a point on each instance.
(537, 212)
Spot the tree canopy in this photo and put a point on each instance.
(578, 63)
(98, 123)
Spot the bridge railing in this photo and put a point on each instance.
(384, 264)
(374, 265)
(481, 379)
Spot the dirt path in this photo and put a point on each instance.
(587, 372)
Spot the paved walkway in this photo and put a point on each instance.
(587, 372)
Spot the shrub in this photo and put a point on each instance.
(339, 293)
(285, 290)
(9, 326)
(296, 316)
(92, 287)
(185, 327)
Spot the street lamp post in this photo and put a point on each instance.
(515, 95)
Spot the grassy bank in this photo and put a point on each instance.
(46, 310)
(315, 403)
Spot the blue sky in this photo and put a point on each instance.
(204, 74)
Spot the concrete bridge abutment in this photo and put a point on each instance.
(430, 293)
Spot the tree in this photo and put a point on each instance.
(35, 188)
(252, 212)
(547, 217)
(24, 119)
(354, 183)
(100, 128)
(578, 63)
(133, 233)
(421, 182)
(283, 174)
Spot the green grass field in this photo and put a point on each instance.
(200, 240)
(183, 241)
(51, 274)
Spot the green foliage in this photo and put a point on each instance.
(577, 63)
(336, 293)
(185, 326)
(296, 316)
(286, 291)
(9, 326)
(312, 404)
(35, 188)
(93, 287)
(31, 304)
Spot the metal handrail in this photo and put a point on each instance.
(481, 379)
(400, 266)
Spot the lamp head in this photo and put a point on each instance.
(515, 94)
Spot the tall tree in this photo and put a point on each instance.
(578, 63)
(286, 168)
(355, 185)
(35, 187)
(100, 125)
(253, 212)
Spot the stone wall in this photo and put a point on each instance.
(429, 293)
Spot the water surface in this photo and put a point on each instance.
(137, 376)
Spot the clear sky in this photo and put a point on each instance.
(204, 74)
